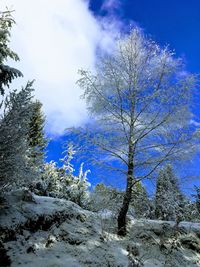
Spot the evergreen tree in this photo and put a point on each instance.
(15, 165)
(197, 198)
(51, 183)
(17, 115)
(7, 73)
(36, 136)
(77, 190)
(166, 199)
(68, 157)
(140, 201)
(61, 182)
(170, 202)
(189, 210)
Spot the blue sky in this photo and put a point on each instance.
(63, 38)
(175, 23)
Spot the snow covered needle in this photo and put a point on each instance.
(69, 155)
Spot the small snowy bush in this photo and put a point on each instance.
(62, 183)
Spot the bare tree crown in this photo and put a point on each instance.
(139, 96)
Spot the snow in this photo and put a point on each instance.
(105, 213)
(81, 240)
(20, 211)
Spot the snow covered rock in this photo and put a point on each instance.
(50, 232)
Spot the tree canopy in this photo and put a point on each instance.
(139, 101)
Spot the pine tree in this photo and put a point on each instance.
(170, 202)
(15, 166)
(77, 189)
(140, 201)
(188, 210)
(79, 192)
(165, 200)
(7, 73)
(50, 183)
(36, 136)
(61, 182)
(197, 198)
(68, 157)
(16, 111)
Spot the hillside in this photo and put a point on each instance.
(49, 232)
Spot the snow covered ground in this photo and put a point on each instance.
(49, 232)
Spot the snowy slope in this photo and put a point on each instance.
(49, 232)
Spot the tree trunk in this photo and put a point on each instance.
(127, 197)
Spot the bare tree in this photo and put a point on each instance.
(139, 102)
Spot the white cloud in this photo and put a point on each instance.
(55, 38)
